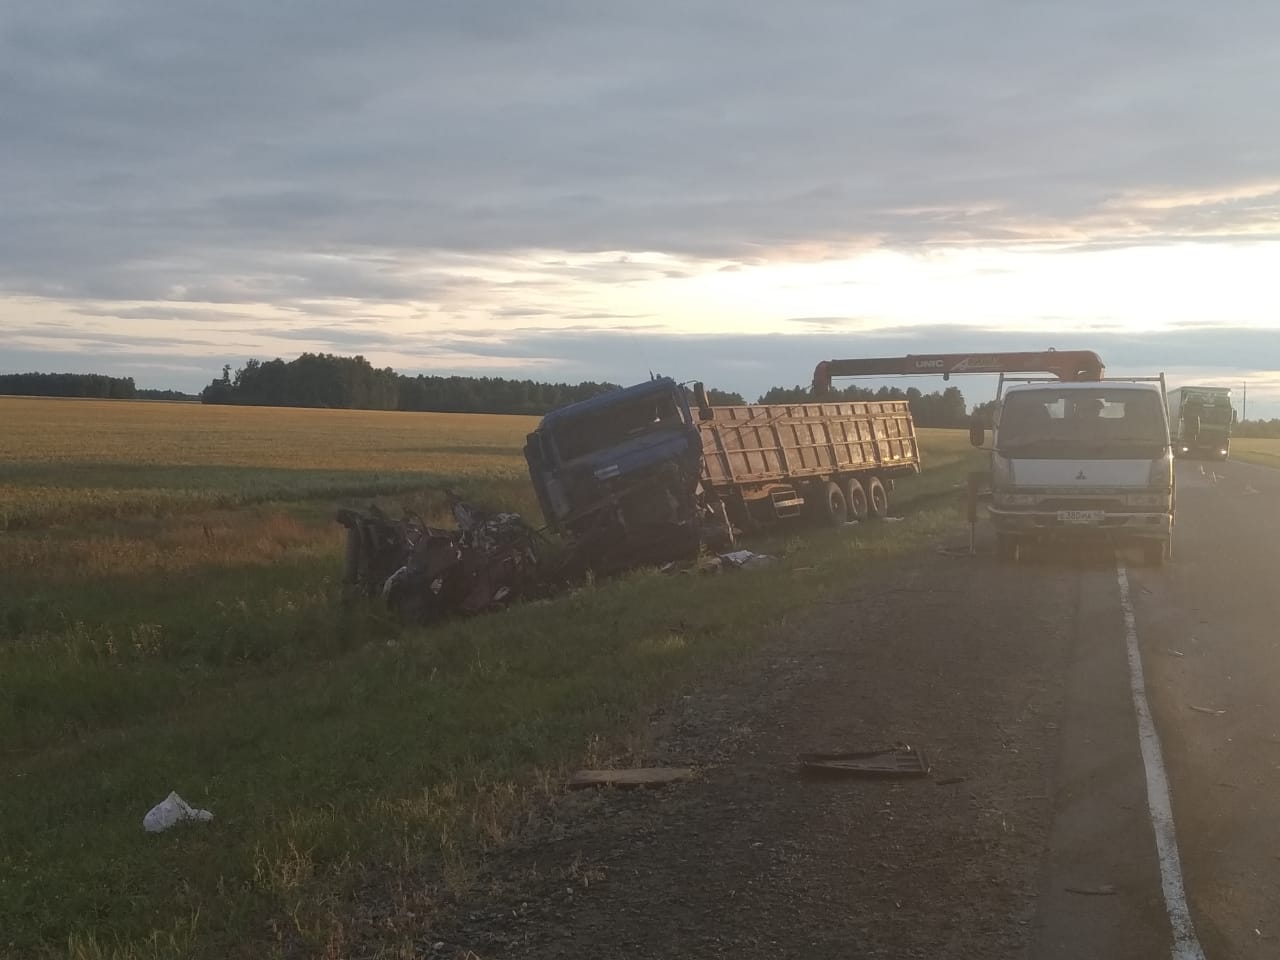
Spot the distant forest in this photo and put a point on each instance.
(1262, 429)
(327, 380)
(945, 409)
(67, 385)
(86, 385)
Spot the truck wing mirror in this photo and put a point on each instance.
(977, 431)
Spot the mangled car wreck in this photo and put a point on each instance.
(423, 574)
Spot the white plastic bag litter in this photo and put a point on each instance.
(169, 811)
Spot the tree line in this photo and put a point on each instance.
(1257, 429)
(67, 385)
(945, 409)
(327, 380)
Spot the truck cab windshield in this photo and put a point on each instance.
(1106, 423)
(609, 425)
(1218, 415)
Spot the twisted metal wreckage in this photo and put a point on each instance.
(424, 574)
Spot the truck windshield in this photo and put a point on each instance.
(1216, 414)
(1106, 422)
(606, 426)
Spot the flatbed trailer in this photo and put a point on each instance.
(837, 461)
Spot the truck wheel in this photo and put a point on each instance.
(1006, 548)
(855, 495)
(878, 497)
(834, 507)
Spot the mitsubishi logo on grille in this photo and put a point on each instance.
(1081, 476)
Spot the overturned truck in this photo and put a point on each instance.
(644, 474)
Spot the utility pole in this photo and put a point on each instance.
(1244, 412)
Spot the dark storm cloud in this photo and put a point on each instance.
(243, 151)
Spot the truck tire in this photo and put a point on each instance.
(833, 508)
(878, 498)
(855, 495)
(1006, 548)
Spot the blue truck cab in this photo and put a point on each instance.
(618, 475)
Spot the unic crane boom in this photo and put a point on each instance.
(1074, 365)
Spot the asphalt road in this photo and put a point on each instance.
(1210, 629)
(1072, 812)
(1205, 631)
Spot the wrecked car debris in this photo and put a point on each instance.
(423, 573)
(629, 777)
(746, 559)
(878, 764)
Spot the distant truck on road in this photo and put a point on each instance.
(638, 475)
(1200, 421)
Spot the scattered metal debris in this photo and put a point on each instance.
(746, 560)
(629, 778)
(424, 573)
(899, 762)
(949, 781)
(1209, 710)
(1103, 890)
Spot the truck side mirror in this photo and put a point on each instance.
(977, 431)
(1235, 416)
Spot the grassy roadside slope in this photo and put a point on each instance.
(348, 763)
(1263, 452)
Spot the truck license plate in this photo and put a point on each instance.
(1080, 517)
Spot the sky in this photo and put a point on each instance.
(576, 190)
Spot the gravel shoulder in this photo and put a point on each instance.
(749, 859)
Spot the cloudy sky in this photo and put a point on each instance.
(580, 189)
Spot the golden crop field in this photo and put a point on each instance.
(170, 619)
(88, 459)
(1265, 452)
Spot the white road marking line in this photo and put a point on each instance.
(1185, 944)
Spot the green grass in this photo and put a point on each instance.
(348, 763)
(1264, 452)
